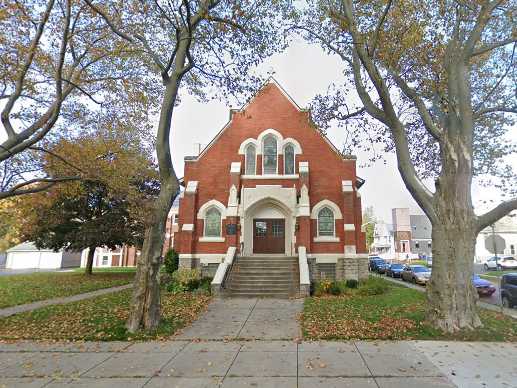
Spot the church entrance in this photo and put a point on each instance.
(268, 235)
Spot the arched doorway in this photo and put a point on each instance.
(268, 228)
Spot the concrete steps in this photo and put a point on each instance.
(264, 276)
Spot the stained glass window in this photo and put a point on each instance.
(270, 155)
(325, 222)
(213, 223)
(289, 159)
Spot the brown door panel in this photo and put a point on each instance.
(268, 235)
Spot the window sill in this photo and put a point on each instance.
(270, 176)
(211, 239)
(326, 239)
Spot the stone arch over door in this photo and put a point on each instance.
(268, 208)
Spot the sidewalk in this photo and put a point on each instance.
(188, 364)
(21, 308)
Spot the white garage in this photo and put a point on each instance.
(26, 255)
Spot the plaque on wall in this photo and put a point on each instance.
(231, 229)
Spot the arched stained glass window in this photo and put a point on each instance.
(250, 160)
(325, 222)
(289, 159)
(270, 155)
(213, 223)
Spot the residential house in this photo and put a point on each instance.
(127, 256)
(27, 256)
(505, 233)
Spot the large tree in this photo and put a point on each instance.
(439, 77)
(58, 65)
(107, 207)
(205, 48)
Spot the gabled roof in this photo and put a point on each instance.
(273, 81)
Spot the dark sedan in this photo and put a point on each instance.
(376, 262)
(483, 287)
(394, 270)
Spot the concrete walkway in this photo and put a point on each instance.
(6, 312)
(254, 318)
(187, 364)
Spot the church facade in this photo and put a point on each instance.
(269, 183)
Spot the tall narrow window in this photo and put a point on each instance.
(250, 160)
(270, 155)
(289, 159)
(325, 222)
(213, 223)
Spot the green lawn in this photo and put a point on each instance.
(102, 319)
(20, 289)
(497, 273)
(396, 314)
(108, 269)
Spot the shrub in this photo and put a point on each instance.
(373, 286)
(351, 283)
(171, 261)
(322, 287)
(187, 278)
(175, 288)
(335, 288)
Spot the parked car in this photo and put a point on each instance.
(395, 270)
(483, 287)
(381, 268)
(429, 261)
(375, 262)
(417, 274)
(509, 290)
(501, 263)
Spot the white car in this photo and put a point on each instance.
(501, 263)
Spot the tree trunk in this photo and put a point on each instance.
(451, 295)
(89, 260)
(145, 311)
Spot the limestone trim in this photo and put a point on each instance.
(270, 176)
(326, 203)
(326, 239)
(303, 167)
(294, 143)
(349, 227)
(347, 186)
(201, 214)
(191, 187)
(187, 227)
(281, 143)
(211, 239)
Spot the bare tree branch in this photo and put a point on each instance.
(496, 214)
(491, 46)
(37, 185)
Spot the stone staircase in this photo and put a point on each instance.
(264, 276)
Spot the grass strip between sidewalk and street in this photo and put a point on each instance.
(398, 313)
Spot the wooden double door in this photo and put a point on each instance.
(268, 235)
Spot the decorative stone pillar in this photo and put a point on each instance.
(340, 268)
(349, 216)
(232, 220)
(303, 236)
(350, 267)
(188, 205)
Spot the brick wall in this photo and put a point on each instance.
(327, 169)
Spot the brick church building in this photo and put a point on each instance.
(269, 188)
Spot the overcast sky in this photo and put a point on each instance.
(303, 71)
